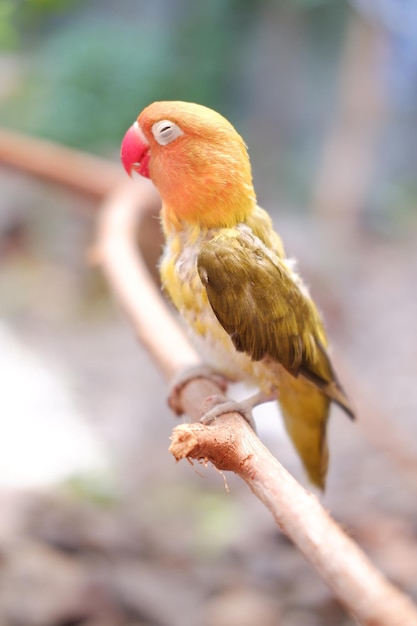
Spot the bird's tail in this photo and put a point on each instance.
(305, 410)
(321, 373)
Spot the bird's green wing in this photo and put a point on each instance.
(265, 309)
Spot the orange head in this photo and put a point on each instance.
(197, 161)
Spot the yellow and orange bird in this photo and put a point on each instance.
(224, 267)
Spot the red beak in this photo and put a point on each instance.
(134, 152)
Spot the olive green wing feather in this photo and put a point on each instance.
(265, 309)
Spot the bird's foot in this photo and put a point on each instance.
(217, 405)
(187, 375)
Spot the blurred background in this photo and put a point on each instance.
(98, 526)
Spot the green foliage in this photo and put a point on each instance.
(87, 84)
(88, 81)
(16, 14)
(48, 5)
(8, 34)
(209, 47)
(308, 4)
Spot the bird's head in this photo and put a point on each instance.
(197, 161)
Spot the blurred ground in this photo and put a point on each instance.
(99, 526)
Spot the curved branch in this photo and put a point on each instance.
(116, 251)
(229, 442)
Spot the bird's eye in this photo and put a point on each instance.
(166, 131)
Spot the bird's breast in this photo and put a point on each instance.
(180, 279)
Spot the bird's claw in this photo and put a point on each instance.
(217, 405)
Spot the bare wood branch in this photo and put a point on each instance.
(229, 443)
(73, 168)
(117, 253)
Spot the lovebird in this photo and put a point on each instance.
(225, 270)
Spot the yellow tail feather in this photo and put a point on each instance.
(305, 410)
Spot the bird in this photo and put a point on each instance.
(225, 270)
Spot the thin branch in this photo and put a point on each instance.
(117, 253)
(229, 443)
(54, 162)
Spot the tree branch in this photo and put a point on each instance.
(54, 162)
(229, 443)
(116, 251)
